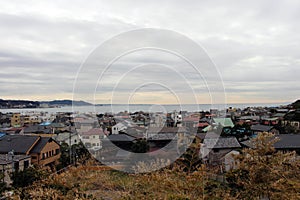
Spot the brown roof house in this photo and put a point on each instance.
(44, 151)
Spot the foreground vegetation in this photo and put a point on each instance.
(262, 173)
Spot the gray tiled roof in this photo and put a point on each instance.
(19, 143)
(121, 138)
(163, 130)
(38, 129)
(41, 144)
(221, 143)
(286, 141)
(167, 136)
(262, 128)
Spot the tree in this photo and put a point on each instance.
(265, 173)
(64, 159)
(26, 177)
(190, 160)
(141, 146)
(2, 183)
(78, 153)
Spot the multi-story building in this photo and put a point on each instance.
(16, 120)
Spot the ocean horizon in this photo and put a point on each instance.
(116, 108)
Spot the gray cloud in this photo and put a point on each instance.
(254, 45)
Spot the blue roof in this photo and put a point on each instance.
(45, 124)
(2, 134)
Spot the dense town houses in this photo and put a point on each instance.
(36, 138)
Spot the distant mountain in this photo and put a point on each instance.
(66, 103)
(18, 104)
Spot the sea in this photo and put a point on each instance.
(116, 108)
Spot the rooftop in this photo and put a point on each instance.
(21, 144)
(262, 128)
(221, 143)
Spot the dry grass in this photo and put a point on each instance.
(89, 182)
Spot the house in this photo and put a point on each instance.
(13, 130)
(286, 143)
(156, 132)
(83, 124)
(116, 149)
(249, 119)
(59, 127)
(67, 137)
(38, 129)
(282, 110)
(30, 120)
(270, 121)
(292, 118)
(190, 121)
(137, 132)
(10, 163)
(215, 147)
(258, 128)
(2, 134)
(92, 139)
(158, 120)
(122, 141)
(159, 137)
(118, 127)
(224, 122)
(44, 151)
(5, 120)
(280, 116)
(16, 120)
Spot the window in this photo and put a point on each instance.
(26, 164)
(88, 145)
(56, 151)
(16, 166)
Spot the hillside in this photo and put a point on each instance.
(67, 103)
(18, 104)
(296, 104)
(275, 177)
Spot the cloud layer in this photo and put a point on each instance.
(254, 44)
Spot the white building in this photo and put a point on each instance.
(92, 139)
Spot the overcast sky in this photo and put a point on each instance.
(253, 44)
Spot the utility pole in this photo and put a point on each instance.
(70, 145)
